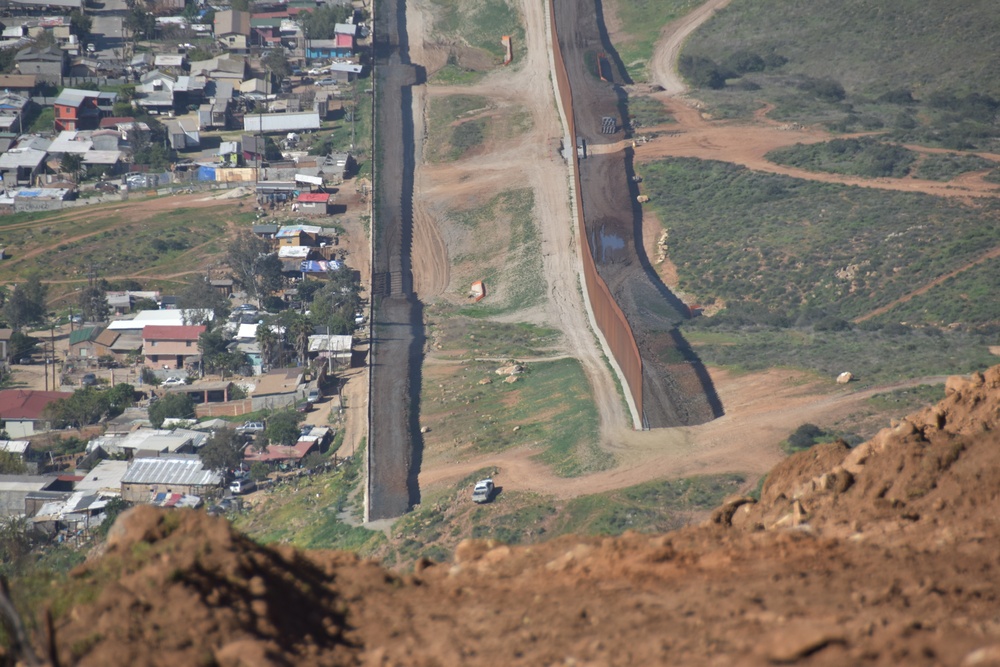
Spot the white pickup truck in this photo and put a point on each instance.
(483, 491)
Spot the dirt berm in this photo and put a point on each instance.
(886, 554)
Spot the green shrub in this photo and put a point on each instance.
(864, 156)
(946, 167)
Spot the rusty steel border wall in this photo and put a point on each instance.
(607, 313)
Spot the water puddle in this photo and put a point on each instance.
(606, 246)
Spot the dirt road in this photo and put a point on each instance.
(747, 143)
(540, 167)
(762, 410)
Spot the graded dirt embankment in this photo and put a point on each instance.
(880, 555)
(676, 390)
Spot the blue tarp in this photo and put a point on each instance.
(206, 173)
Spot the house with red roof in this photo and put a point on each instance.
(22, 411)
(313, 203)
(283, 453)
(166, 346)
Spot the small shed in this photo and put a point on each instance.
(335, 348)
(82, 343)
(314, 203)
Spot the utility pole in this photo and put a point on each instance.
(52, 342)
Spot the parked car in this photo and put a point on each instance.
(174, 382)
(314, 396)
(251, 427)
(88, 380)
(483, 491)
(326, 82)
(240, 486)
(136, 181)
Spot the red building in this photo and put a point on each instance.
(82, 109)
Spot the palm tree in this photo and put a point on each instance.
(268, 341)
(298, 332)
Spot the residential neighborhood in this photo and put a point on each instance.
(178, 95)
(133, 393)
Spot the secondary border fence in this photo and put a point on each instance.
(609, 316)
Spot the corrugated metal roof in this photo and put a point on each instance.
(187, 472)
(14, 446)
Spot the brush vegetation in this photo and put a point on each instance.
(811, 262)
(793, 248)
(922, 71)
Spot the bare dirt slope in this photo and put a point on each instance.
(881, 555)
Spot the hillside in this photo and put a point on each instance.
(880, 555)
(925, 70)
(806, 248)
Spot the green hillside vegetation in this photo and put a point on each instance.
(110, 239)
(793, 246)
(809, 257)
(946, 167)
(924, 71)
(875, 355)
(435, 528)
(970, 296)
(641, 22)
(307, 514)
(864, 156)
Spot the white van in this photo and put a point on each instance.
(241, 486)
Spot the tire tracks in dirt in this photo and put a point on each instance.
(923, 289)
(763, 409)
(747, 143)
(528, 84)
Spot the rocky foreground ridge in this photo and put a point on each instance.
(887, 554)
